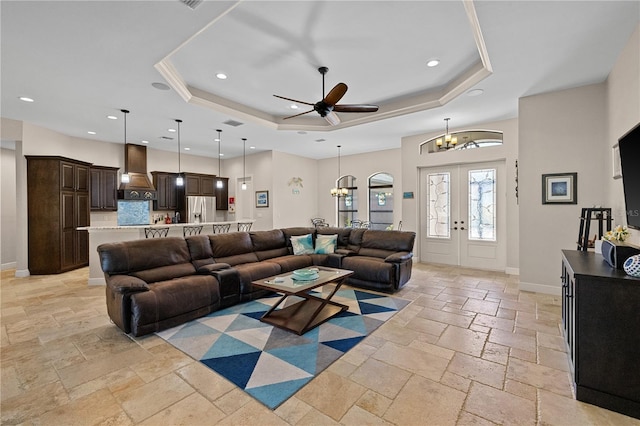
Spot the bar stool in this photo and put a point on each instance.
(156, 232)
(244, 226)
(191, 230)
(221, 228)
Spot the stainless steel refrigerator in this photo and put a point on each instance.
(201, 209)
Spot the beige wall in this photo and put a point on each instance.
(623, 112)
(8, 209)
(559, 132)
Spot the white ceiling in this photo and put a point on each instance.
(84, 60)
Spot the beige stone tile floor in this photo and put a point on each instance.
(470, 349)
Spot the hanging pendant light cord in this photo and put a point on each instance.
(244, 160)
(179, 121)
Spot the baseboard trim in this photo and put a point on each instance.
(8, 265)
(97, 281)
(541, 288)
(512, 271)
(22, 273)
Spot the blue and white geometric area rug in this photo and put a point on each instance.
(272, 364)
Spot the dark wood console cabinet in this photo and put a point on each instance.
(601, 321)
(57, 203)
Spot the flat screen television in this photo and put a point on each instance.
(629, 146)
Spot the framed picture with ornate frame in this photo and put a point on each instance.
(560, 188)
(262, 199)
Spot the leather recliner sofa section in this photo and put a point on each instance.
(154, 284)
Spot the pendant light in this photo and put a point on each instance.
(244, 164)
(219, 183)
(125, 176)
(449, 141)
(179, 179)
(337, 191)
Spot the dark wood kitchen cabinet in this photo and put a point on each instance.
(165, 184)
(600, 316)
(222, 195)
(104, 188)
(58, 202)
(199, 184)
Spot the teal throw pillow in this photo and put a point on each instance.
(302, 244)
(326, 244)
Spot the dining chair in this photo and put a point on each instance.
(244, 226)
(156, 232)
(221, 228)
(191, 230)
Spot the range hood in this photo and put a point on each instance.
(139, 186)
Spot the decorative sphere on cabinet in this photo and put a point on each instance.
(632, 266)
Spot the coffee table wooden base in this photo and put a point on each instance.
(304, 315)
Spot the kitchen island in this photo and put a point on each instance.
(114, 233)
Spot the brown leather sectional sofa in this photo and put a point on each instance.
(154, 284)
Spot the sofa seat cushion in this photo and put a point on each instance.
(292, 262)
(369, 268)
(173, 298)
(254, 271)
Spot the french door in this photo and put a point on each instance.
(462, 214)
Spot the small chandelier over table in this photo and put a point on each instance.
(338, 191)
(447, 141)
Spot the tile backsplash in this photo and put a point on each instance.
(133, 212)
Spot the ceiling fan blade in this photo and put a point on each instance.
(355, 108)
(293, 100)
(334, 96)
(296, 115)
(332, 118)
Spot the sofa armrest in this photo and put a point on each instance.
(399, 257)
(213, 267)
(126, 284)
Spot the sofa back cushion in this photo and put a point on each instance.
(152, 260)
(383, 243)
(233, 248)
(268, 244)
(355, 239)
(200, 249)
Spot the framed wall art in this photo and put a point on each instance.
(262, 198)
(560, 188)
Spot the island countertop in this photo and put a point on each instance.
(156, 225)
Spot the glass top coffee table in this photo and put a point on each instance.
(312, 310)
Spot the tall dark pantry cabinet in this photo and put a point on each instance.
(58, 202)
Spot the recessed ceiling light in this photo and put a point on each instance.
(221, 155)
(25, 99)
(475, 92)
(91, 132)
(293, 106)
(433, 62)
(145, 141)
(221, 76)
(187, 149)
(112, 117)
(171, 130)
(160, 86)
(252, 147)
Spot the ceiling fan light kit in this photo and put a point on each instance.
(328, 106)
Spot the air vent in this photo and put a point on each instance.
(320, 140)
(233, 123)
(168, 138)
(191, 3)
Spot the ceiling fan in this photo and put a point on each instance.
(328, 106)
